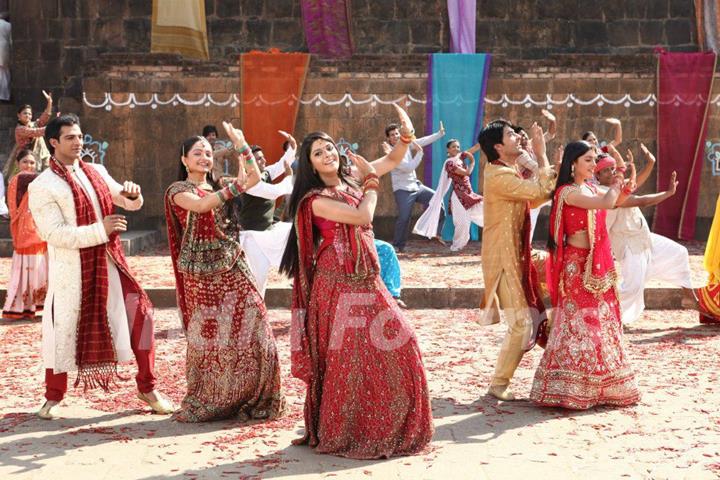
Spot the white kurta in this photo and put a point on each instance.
(53, 209)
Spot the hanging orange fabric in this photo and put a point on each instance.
(271, 85)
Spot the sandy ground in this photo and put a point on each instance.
(674, 432)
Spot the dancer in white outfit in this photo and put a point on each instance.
(465, 205)
(262, 239)
(643, 255)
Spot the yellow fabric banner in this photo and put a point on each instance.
(179, 26)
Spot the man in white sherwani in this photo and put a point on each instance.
(96, 314)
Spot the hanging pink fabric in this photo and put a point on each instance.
(462, 25)
(684, 86)
(327, 27)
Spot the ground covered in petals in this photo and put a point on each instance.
(673, 433)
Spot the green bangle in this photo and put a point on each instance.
(233, 189)
(245, 148)
(220, 196)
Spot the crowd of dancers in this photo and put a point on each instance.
(367, 394)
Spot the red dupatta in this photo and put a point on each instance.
(95, 354)
(599, 274)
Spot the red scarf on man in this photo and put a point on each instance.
(95, 354)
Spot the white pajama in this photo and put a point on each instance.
(462, 219)
(666, 261)
(264, 249)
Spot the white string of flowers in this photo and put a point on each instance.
(155, 99)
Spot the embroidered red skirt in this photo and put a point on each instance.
(584, 363)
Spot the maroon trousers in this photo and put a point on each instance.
(142, 343)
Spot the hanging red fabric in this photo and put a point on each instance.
(272, 84)
(684, 87)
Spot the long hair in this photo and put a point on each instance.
(227, 209)
(587, 134)
(572, 152)
(306, 179)
(184, 149)
(25, 152)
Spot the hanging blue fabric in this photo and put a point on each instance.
(456, 95)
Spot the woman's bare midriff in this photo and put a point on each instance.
(579, 239)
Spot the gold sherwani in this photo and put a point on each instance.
(505, 198)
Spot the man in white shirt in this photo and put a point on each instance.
(263, 239)
(408, 190)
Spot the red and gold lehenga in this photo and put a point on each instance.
(584, 363)
(232, 364)
(367, 396)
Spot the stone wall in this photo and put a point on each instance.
(143, 140)
(54, 40)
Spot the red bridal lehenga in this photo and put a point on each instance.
(584, 363)
(232, 364)
(367, 395)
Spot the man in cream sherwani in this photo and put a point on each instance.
(95, 312)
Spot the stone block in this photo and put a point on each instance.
(143, 8)
(107, 31)
(279, 9)
(590, 33)
(429, 33)
(73, 60)
(558, 9)
(636, 10)
(137, 33)
(68, 8)
(252, 8)
(681, 8)
(590, 9)
(658, 8)
(490, 9)
(623, 32)
(651, 32)
(25, 49)
(288, 32)
(227, 8)
(678, 32)
(258, 32)
(223, 27)
(89, 10)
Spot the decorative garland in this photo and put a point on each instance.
(347, 100)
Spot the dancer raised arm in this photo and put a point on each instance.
(334, 265)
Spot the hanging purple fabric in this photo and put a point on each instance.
(327, 27)
(462, 25)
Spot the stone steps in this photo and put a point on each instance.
(658, 298)
(133, 242)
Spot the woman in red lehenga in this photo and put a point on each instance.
(584, 363)
(29, 274)
(232, 364)
(367, 395)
